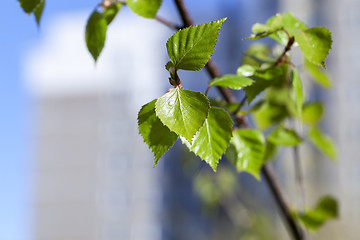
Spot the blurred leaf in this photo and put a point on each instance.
(213, 138)
(318, 75)
(218, 102)
(29, 6)
(256, 54)
(291, 25)
(192, 47)
(298, 90)
(110, 12)
(144, 8)
(315, 44)
(264, 30)
(284, 136)
(312, 113)
(38, 11)
(325, 209)
(270, 151)
(157, 136)
(183, 111)
(269, 114)
(95, 34)
(256, 88)
(247, 151)
(323, 143)
(231, 81)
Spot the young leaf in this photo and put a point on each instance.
(110, 12)
(95, 34)
(326, 208)
(247, 151)
(290, 23)
(38, 11)
(323, 143)
(264, 30)
(157, 136)
(212, 139)
(296, 81)
(315, 44)
(256, 88)
(192, 47)
(312, 113)
(269, 114)
(231, 81)
(29, 6)
(183, 111)
(284, 136)
(318, 75)
(144, 8)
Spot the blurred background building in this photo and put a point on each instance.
(92, 177)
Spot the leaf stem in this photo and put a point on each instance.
(271, 178)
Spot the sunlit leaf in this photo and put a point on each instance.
(326, 209)
(213, 138)
(285, 137)
(290, 23)
(247, 151)
(231, 81)
(323, 142)
(264, 30)
(183, 111)
(144, 8)
(312, 113)
(157, 136)
(315, 44)
(110, 12)
(192, 47)
(320, 76)
(95, 34)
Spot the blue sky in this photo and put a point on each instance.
(18, 33)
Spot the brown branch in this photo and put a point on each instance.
(168, 23)
(266, 170)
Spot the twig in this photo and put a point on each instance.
(168, 23)
(271, 178)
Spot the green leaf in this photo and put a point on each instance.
(326, 208)
(318, 75)
(157, 136)
(315, 44)
(296, 81)
(213, 138)
(231, 81)
(323, 142)
(110, 12)
(95, 34)
(256, 54)
(247, 151)
(290, 23)
(264, 30)
(256, 88)
(183, 111)
(270, 151)
(312, 113)
(269, 114)
(192, 47)
(29, 6)
(38, 11)
(284, 136)
(144, 8)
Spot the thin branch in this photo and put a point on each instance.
(271, 178)
(275, 188)
(168, 23)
